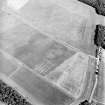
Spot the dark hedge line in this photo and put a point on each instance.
(99, 5)
(10, 96)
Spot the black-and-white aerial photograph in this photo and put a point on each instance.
(52, 52)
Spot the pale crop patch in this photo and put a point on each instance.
(16, 4)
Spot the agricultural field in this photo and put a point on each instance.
(47, 53)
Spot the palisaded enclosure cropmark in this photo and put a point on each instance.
(63, 22)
